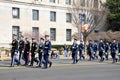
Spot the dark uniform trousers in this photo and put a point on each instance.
(40, 59)
(46, 58)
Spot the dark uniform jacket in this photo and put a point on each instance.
(95, 47)
(74, 48)
(15, 45)
(90, 48)
(81, 47)
(27, 46)
(33, 47)
(41, 47)
(101, 47)
(47, 47)
(114, 47)
(21, 44)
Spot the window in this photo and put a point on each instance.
(35, 33)
(68, 17)
(16, 12)
(68, 2)
(35, 14)
(15, 30)
(82, 2)
(52, 16)
(53, 34)
(96, 3)
(53, 1)
(68, 34)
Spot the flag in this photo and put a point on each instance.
(86, 27)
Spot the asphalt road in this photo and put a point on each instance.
(62, 70)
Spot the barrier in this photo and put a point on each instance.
(4, 53)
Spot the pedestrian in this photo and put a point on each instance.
(74, 51)
(33, 51)
(40, 52)
(26, 51)
(101, 50)
(21, 47)
(65, 51)
(91, 50)
(46, 51)
(114, 49)
(81, 50)
(14, 51)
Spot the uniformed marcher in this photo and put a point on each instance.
(74, 51)
(101, 50)
(26, 51)
(107, 49)
(95, 50)
(81, 49)
(14, 50)
(33, 51)
(119, 51)
(91, 50)
(46, 51)
(21, 47)
(40, 51)
(114, 49)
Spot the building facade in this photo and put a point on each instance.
(35, 18)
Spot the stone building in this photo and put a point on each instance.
(35, 18)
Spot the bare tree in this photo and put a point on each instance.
(88, 15)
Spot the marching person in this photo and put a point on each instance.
(107, 49)
(90, 50)
(33, 51)
(101, 50)
(26, 51)
(40, 51)
(21, 47)
(119, 51)
(46, 51)
(74, 51)
(14, 50)
(81, 49)
(114, 49)
(95, 50)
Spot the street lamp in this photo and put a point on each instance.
(20, 34)
(82, 20)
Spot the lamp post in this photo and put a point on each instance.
(20, 34)
(82, 20)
